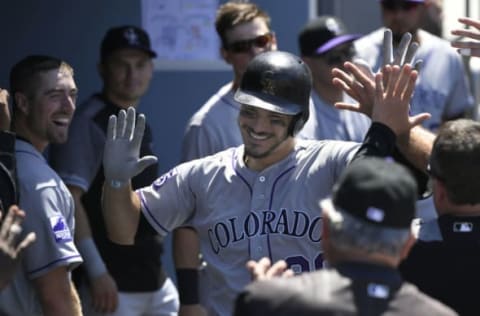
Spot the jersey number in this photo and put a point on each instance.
(300, 264)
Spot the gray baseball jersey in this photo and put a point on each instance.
(442, 88)
(328, 122)
(214, 126)
(240, 214)
(50, 214)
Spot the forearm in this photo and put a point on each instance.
(92, 260)
(417, 146)
(186, 255)
(57, 294)
(379, 142)
(77, 306)
(121, 212)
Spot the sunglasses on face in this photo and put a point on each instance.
(338, 56)
(244, 46)
(399, 5)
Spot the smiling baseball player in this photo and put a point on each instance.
(259, 199)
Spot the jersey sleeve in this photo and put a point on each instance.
(77, 161)
(54, 244)
(169, 201)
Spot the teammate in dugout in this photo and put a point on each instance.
(259, 199)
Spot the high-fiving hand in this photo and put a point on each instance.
(359, 82)
(469, 48)
(121, 160)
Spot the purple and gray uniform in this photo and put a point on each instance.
(241, 214)
(49, 208)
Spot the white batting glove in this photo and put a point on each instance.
(121, 160)
(405, 54)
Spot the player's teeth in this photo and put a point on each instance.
(256, 136)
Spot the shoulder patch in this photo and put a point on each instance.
(60, 230)
(160, 181)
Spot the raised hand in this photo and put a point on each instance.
(469, 48)
(264, 270)
(358, 79)
(404, 54)
(121, 159)
(391, 102)
(11, 248)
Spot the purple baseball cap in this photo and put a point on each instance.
(322, 34)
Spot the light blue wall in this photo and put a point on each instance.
(72, 30)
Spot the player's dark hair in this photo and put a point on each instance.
(455, 160)
(234, 13)
(23, 75)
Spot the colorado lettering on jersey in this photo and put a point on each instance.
(283, 222)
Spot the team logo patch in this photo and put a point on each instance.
(160, 181)
(60, 229)
(268, 85)
(131, 36)
(462, 227)
(378, 290)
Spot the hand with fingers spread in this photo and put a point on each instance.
(10, 247)
(468, 48)
(393, 91)
(358, 79)
(121, 159)
(264, 270)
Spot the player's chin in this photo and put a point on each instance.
(257, 152)
(59, 138)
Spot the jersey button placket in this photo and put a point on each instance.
(258, 205)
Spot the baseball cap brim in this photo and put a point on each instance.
(267, 102)
(337, 41)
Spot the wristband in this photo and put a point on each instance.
(187, 282)
(91, 258)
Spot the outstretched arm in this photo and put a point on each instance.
(469, 48)
(121, 162)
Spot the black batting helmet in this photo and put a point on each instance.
(279, 82)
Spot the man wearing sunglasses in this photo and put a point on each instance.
(324, 44)
(244, 31)
(442, 89)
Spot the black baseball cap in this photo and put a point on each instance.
(127, 36)
(323, 33)
(378, 191)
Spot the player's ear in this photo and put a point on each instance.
(440, 196)
(21, 102)
(225, 55)
(407, 247)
